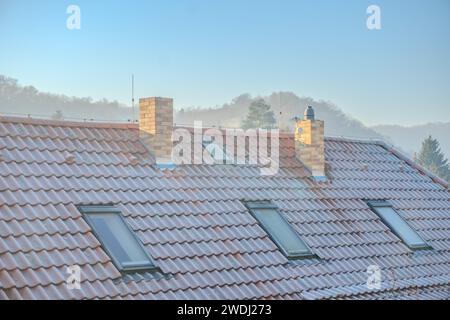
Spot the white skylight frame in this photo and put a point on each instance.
(276, 237)
(392, 219)
(146, 265)
(214, 149)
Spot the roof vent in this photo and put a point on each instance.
(309, 113)
(70, 159)
(133, 160)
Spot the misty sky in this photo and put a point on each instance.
(203, 52)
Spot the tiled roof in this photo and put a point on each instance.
(192, 222)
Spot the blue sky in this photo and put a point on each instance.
(204, 53)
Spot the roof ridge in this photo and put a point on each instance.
(414, 164)
(376, 141)
(68, 123)
(90, 123)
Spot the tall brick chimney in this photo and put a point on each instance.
(310, 144)
(155, 127)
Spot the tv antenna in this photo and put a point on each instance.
(132, 97)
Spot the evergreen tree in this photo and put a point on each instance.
(259, 116)
(431, 157)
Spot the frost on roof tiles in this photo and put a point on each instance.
(191, 220)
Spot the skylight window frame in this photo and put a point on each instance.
(252, 206)
(226, 160)
(375, 204)
(128, 268)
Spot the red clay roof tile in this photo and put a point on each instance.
(192, 222)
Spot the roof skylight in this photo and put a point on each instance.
(279, 230)
(398, 225)
(117, 238)
(217, 153)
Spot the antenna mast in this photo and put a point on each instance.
(132, 97)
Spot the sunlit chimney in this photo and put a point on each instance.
(310, 145)
(155, 127)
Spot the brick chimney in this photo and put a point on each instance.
(155, 127)
(310, 144)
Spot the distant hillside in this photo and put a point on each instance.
(286, 106)
(410, 138)
(15, 98)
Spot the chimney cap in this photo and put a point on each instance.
(309, 113)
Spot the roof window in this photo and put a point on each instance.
(117, 238)
(398, 225)
(279, 230)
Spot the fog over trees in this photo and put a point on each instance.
(431, 157)
(410, 138)
(286, 106)
(18, 99)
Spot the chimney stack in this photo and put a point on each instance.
(310, 144)
(156, 126)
